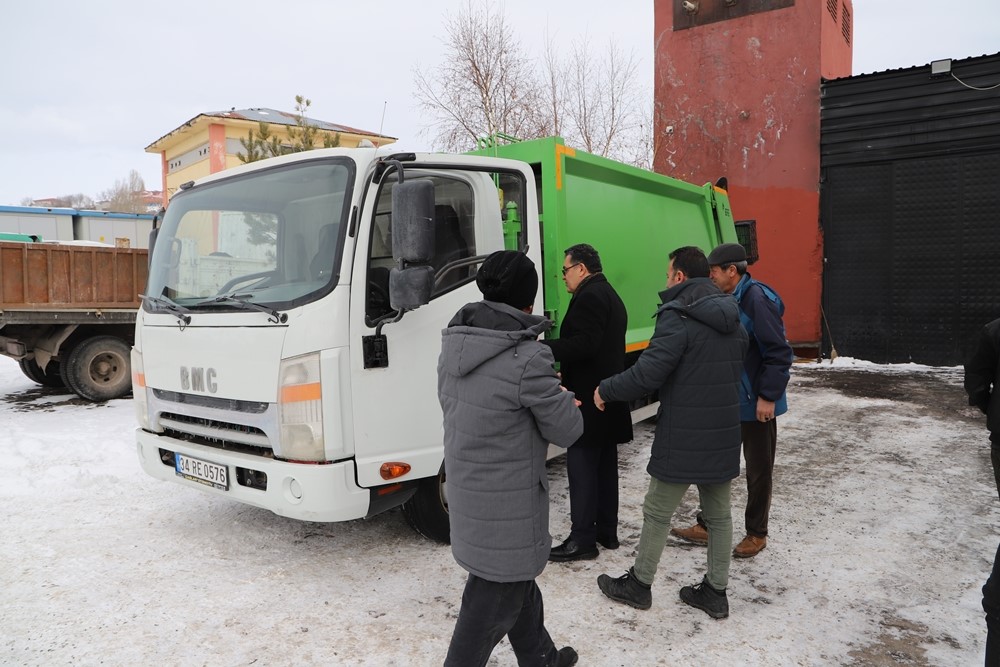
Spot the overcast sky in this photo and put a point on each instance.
(86, 86)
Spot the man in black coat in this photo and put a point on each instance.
(982, 377)
(591, 347)
(695, 361)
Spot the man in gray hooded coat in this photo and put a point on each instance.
(694, 360)
(502, 405)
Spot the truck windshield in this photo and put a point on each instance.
(274, 236)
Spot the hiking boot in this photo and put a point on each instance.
(750, 546)
(626, 589)
(696, 534)
(566, 657)
(703, 596)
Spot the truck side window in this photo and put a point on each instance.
(455, 239)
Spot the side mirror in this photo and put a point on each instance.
(154, 231)
(410, 288)
(411, 284)
(413, 222)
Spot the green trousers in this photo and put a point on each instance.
(658, 508)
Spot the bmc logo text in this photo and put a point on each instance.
(198, 379)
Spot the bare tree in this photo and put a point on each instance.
(126, 195)
(78, 200)
(485, 85)
(488, 84)
(604, 106)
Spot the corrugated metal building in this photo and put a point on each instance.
(910, 210)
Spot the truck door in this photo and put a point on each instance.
(397, 416)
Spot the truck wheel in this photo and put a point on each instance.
(49, 377)
(99, 368)
(427, 510)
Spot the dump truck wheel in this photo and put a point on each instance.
(427, 510)
(49, 377)
(99, 368)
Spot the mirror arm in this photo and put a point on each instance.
(382, 322)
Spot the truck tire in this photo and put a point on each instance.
(99, 368)
(427, 510)
(48, 378)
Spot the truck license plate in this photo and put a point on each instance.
(204, 472)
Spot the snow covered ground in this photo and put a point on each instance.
(884, 526)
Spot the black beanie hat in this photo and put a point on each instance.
(509, 277)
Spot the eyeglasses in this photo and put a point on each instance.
(566, 269)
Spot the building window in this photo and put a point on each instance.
(845, 25)
(831, 6)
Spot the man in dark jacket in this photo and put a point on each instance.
(982, 377)
(591, 347)
(762, 391)
(502, 405)
(694, 360)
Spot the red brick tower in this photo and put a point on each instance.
(737, 85)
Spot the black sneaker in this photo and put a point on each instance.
(703, 596)
(627, 589)
(566, 657)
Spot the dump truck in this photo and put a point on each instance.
(286, 350)
(68, 312)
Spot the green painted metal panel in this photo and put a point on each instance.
(633, 217)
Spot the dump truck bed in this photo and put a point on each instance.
(49, 277)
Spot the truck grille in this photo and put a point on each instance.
(214, 433)
(232, 405)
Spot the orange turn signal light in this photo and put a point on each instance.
(394, 469)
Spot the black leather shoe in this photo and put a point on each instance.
(566, 657)
(570, 550)
(608, 542)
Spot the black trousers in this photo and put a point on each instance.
(593, 492)
(991, 591)
(760, 444)
(491, 610)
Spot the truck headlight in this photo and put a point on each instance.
(139, 399)
(300, 409)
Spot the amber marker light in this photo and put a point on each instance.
(394, 469)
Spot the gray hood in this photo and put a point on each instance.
(486, 329)
(701, 300)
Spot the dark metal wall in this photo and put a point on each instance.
(910, 211)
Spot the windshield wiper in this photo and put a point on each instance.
(177, 310)
(241, 301)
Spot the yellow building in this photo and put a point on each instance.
(210, 142)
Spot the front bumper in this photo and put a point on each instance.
(307, 492)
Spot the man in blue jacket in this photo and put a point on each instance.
(694, 361)
(762, 395)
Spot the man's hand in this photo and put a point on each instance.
(598, 401)
(575, 399)
(765, 410)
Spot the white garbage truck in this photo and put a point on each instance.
(286, 350)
